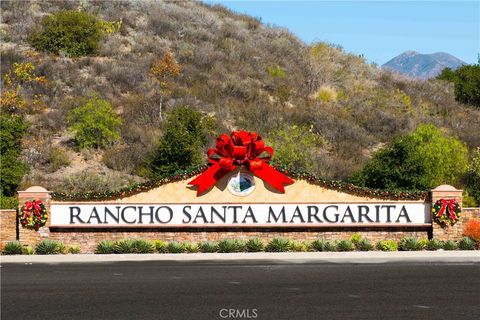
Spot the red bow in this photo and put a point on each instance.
(450, 207)
(241, 148)
(34, 204)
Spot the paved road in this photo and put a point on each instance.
(253, 289)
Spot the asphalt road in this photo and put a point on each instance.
(252, 290)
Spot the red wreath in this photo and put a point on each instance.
(33, 214)
(241, 148)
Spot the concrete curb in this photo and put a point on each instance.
(284, 257)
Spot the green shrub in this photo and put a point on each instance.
(387, 245)
(191, 247)
(412, 162)
(105, 247)
(208, 246)
(434, 244)
(355, 238)
(94, 124)
(8, 202)
(411, 244)
(299, 246)
(276, 71)
(423, 243)
(295, 146)
(255, 245)
(160, 246)
(74, 33)
(364, 245)
(330, 246)
(345, 245)
(466, 81)
(142, 246)
(48, 246)
(231, 245)
(181, 145)
(74, 249)
(450, 245)
(27, 250)
(278, 245)
(467, 243)
(12, 129)
(12, 248)
(175, 247)
(57, 159)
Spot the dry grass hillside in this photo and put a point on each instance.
(246, 74)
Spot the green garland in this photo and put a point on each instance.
(191, 172)
(350, 188)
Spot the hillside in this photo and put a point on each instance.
(228, 64)
(422, 66)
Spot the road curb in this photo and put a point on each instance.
(287, 257)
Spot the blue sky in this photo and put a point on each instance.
(380, 30)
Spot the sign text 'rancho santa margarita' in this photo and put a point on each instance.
(238, 214)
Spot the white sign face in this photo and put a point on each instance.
(239, 215)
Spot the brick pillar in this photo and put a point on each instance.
(28, 236)
(448, 232)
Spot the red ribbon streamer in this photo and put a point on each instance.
(240, 148)
(449, 206)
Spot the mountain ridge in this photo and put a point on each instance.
(422, 66)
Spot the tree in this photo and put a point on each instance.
(75, 33)
(12, 130)
(472, 177)
(181, 144)
(421, 160)
(94, 124)
(466, 81)
(163, 70)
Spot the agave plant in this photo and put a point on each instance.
(278, 245)
(345, 245)
(255, 245)
(124, 246)
(105, 247)
(208, 246)
(231, 245)
(411, 244)
(191, 247)
(142, 246)
(12, 248)
(48, 246)
(467, 243)
(175, 247)
(160, 246)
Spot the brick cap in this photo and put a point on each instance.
(446, 187)
(36, 189)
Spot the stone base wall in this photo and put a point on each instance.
(88, 239)
(8, 226)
